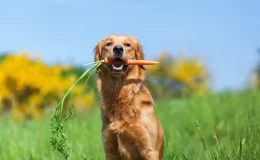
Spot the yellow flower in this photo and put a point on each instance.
(186, 75)
(31, 84)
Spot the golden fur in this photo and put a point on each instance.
(130, 128)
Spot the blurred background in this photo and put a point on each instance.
(209, 54)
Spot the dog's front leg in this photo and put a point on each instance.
(110, 145)
(137, 137)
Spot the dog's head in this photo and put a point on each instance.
(118, 48)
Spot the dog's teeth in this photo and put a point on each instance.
(117, 68)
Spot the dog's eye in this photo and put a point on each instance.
(109, 44)
(127, 44)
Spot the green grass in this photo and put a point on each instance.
(223, 126)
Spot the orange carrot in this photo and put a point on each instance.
(131, 62)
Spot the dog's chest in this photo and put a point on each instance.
(121, 113)
(121, 105)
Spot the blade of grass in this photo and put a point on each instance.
(203, 137)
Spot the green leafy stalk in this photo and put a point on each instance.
(59, 138)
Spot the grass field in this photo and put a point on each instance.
(223, 126)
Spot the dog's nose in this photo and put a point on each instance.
(118, 50)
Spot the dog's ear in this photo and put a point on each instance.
(98, 51)
(139, 54)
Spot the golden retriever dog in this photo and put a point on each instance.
(130, 128)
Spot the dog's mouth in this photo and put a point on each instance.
(118, 66)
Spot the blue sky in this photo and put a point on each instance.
(226, 34)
